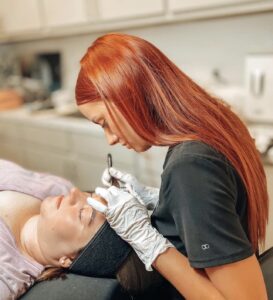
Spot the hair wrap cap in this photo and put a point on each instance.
(103, 255)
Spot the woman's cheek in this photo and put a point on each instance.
(63, 228)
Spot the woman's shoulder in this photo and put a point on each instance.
(191, 151)
(17, 271)
(5, 235)
(197, 162)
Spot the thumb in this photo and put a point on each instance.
(106, 178)
(103, 193)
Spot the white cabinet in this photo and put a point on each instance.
(63, 12)
(20, 16)
(2, 14)
(77, 154)
(90, 153)
(11, 143)
(36, 19)
(44, 159)
(114, 9)
(181, 5)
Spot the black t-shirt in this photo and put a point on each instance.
(202, 206)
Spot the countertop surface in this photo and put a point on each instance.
(50, 118)
(263, 133)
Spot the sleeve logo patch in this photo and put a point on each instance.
(205, 246)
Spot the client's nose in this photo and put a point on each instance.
(73, 196)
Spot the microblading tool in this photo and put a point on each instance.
(114, 181)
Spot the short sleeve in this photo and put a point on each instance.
(201, 196)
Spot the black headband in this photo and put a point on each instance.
(103, 255)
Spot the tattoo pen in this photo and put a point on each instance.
(114, 181)
(94, 203)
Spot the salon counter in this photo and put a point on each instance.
(71, 147)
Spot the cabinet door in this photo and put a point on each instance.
(3, 11)
(196, 4)
(88, 172)
(63, 12)
(114, 9)
(9, 150)
(56, 140)
(96, 147)
(10, 142)
(20, 15)
(90, 153)
(42, 159)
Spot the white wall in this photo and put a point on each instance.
(197, 47)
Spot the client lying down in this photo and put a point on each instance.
(46, 228)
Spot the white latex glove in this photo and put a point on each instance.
(147, 195)
(130, 219)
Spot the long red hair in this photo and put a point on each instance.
(165, 107)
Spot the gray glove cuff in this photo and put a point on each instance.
(147, 242)
(148, 196)
(150, 249)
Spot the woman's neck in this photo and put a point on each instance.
(20, 213)
(29, 241)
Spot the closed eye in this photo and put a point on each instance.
(92, 215)
(80, 213)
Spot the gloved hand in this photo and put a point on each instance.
(147, 195)
(130, 219)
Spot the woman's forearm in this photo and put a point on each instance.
(191, 283)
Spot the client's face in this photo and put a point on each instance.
(66, 224)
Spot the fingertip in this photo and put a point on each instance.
(98, 190)
(96, 205)
(112, 170)
(102, 192)
(105, 182)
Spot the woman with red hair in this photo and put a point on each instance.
(211, 210)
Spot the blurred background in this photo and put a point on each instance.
(224, 45)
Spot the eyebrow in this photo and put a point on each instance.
(92, 217)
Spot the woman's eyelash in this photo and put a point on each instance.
(103, 124)
(80, 213)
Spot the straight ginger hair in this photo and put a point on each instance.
(165, 107)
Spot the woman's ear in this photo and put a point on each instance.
(65, 261)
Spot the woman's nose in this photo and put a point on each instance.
(73, 196)
(112, 139)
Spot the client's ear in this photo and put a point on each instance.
(65, 262)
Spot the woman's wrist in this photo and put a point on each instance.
(150, 245)
(175, 267)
